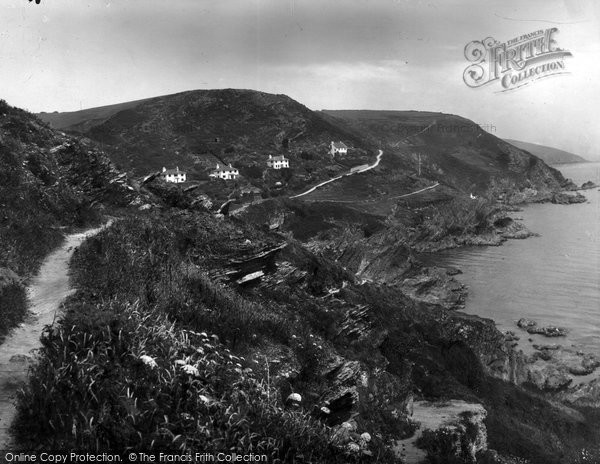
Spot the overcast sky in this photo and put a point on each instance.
(335, 54)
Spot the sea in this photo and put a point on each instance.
(553, 279)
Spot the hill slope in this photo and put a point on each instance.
(48, 182)
(203, 127)
(450, 149)
(548, 154)
(197, 129)
(85, 119)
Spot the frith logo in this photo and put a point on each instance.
(514, 63)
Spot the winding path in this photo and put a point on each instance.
(46, 292)
(368, 168)
(417, 191)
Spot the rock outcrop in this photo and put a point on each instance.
(533, 328)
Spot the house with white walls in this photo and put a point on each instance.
(278, 162)
(173, 175)
(225, 172)
(338, 148)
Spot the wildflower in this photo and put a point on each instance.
(148, 361)
(294, 398)
(190, 370)
(353, 447)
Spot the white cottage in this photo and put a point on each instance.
(225, 172)
(278, 162)
(338, 148)
(173, 175)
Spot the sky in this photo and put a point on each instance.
(65, 55)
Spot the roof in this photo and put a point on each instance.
(278, 158)
(339, 145)
(222, 168)
(170, 172)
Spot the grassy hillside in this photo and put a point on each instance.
(48, 183)
(195, 130)
(450, 149)
(83, 120)
(548, 154)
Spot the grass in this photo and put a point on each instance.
(13, 305)
(151, 353)
(40, 192)
(123, 378)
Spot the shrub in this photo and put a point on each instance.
(458, 217)
(118, 376)
(443, 446)
(13, 306)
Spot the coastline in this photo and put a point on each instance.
(550, 364)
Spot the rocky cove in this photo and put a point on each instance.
(447, 355)
(560, 361)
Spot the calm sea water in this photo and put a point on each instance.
(553, 279)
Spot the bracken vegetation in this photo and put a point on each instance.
(149, 356)
(460, 216)
(48, 183)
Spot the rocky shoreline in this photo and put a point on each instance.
(560, 373)
(438, 352)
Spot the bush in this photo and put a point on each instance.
(13, 306)
(121, 377)
(458, 217)
(443, 446)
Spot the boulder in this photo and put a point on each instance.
(562, 198)
(532, 327)
(588, 185)
(526, 323)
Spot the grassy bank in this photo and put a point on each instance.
(154, 354)
(13, 306)
(49, 183)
